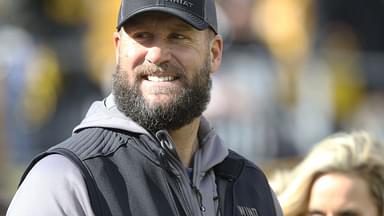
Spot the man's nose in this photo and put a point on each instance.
(158, 55)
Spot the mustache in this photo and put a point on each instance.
(151, 69)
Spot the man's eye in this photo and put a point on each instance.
(178, 36)
(142, 35)
(315, 213)
(349, 213)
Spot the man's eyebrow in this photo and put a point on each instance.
(316, 212)
(348, 212)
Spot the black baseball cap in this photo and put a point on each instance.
(201, 14)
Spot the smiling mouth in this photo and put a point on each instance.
(154, 78)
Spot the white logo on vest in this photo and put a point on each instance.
(246, 211)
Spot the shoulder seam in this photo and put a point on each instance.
(94, 142)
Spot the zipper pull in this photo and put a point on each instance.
(166, 143)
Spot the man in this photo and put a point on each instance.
(146, 149)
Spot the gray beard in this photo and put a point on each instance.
(190, 103)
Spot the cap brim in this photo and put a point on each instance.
(193, 20)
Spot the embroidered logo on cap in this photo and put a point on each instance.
(181, 2)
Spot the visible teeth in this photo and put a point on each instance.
(161, 79)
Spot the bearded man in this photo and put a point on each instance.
(146, 150)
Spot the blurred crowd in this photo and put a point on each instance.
(293, 72)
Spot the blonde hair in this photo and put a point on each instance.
(357, 153)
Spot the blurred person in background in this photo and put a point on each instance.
(146, 149)
(342, 175)
(16, 54)
(302, 79)
(62, 86)
(251, 125)
(45, 87)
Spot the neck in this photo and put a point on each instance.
(186, 141)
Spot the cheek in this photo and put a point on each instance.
(192, 63)
(130, 56)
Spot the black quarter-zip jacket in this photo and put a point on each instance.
(127, 171)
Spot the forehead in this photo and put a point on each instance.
(155, 18)
(340, 192)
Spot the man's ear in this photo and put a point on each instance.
(216, 52)
(116, 43)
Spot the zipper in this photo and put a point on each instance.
(195, 182)
(173, 165)
(165, 178)
(183, 197)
